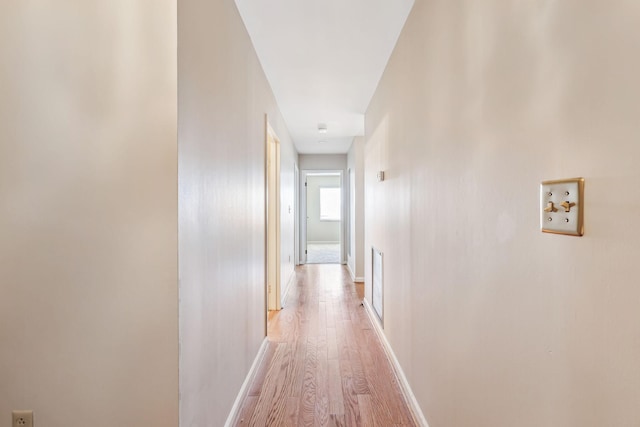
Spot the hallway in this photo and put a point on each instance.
(324, 364)
(323, 253)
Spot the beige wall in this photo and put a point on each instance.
(494, 322)
(355, 164)
(323, 161)
(88, 239)
(223, 98)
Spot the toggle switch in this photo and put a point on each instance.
(568, 194)
(567, 205)
(550, 208)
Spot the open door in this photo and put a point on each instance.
(322, 217)
(273, 219)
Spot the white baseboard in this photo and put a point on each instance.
(232, 419)
(353, 276)
(402, 379)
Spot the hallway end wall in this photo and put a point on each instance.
(495, 323)
(88, 213)
(319, 162)
(223, 98)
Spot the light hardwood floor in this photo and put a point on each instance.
(324, 365)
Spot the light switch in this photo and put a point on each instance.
(562, 206)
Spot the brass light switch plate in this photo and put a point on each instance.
(562, 206)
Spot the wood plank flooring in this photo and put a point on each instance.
(324, 365)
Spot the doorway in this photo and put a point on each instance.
(324, 217)
(272, 208)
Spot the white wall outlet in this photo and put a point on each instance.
(562, 206)
(22, 419)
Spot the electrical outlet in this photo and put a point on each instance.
(22, 418)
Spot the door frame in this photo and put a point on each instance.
(303, 211)
(296, 216)
(272, 219)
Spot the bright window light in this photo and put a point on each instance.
(330, 204)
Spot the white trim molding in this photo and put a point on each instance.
(352, 274)
(402, 379)
(232, 419)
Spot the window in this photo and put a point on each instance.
(330, 204)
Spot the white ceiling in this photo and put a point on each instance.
(323, 60)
